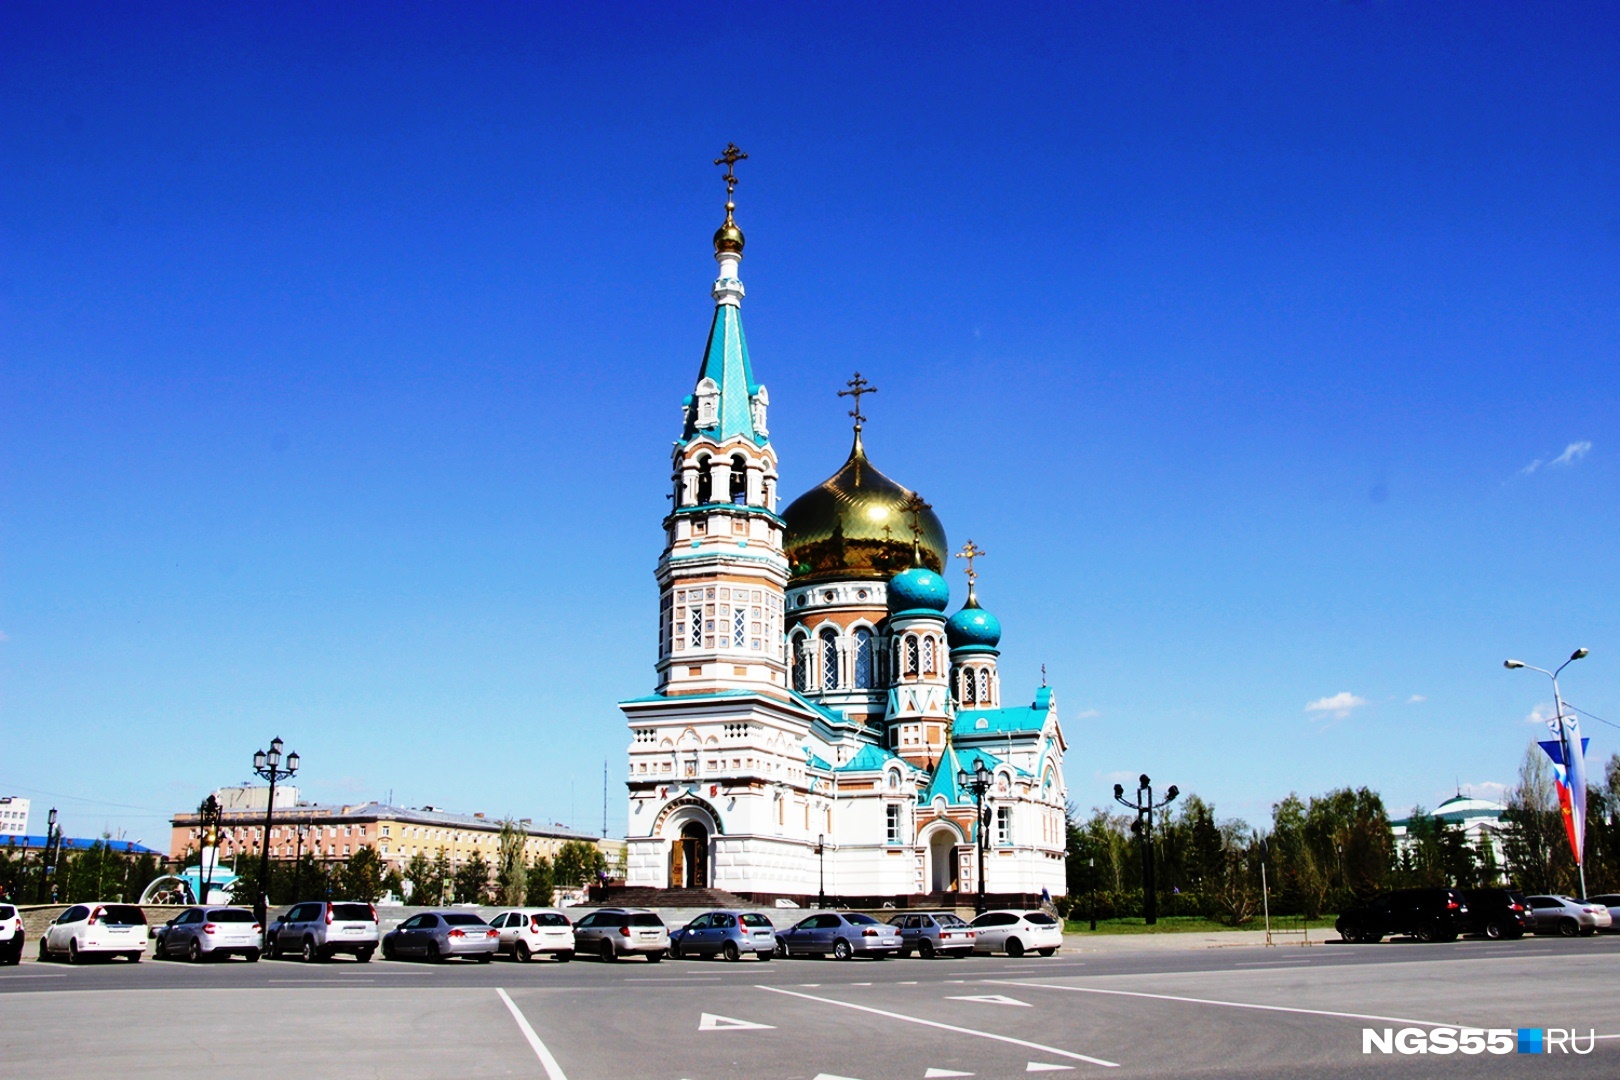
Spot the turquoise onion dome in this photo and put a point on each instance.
(973, 628)
(918, 589)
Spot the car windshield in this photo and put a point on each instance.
(1040, 918)
(462, 918)
(948, 919)
(122, 915)
(645, 918)
(752, 918)
(861, 920)
(232, 915)
(351, 911)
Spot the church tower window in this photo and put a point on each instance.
(968, 695)
(863, 658)
(801, 663)
(928, 656)
(911, 655)
(739, 628)
(829, 659)
(697, 626)
(705, 483)
(984, 685)
(739, 481)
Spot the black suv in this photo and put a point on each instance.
(1427, 914)
(1496, 913)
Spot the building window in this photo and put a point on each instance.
(863, 658)
(739, 628)
(968, 695)
(911, 655)
(928, 656)
(1004, 825)
(892, 833)
(829, 659)
(984, 685)
(697, 628)
(801, 662)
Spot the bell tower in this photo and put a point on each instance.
(722, 574)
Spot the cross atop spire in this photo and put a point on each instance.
(857, 386)
(915, 506)
(729, 158)
(971, 551)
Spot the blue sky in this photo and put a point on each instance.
(1270, 349)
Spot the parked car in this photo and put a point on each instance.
(11, 935)
(322, 929)
(84, 930)
(1568, 916)
(1016, 933)
(1612, 902)
(439, 935)
(934, 933)
(842, 933)
(211, 933)
(730, 934)
(530, 932)
(1496, 913)
(1433, 914)
(612, 933)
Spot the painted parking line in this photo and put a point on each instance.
(547, 1062)
(946, 1027)
(1227, 1004)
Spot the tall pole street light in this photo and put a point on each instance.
(208, 816)
(268, 765)
(977, 784)
(1574, 761)
(821, 859)
(46, 863)
(1144, 807)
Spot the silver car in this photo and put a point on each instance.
(319, 930)
(934, 933)
(211, 933)
(842, 934)
(439, 935)
(1612, 902)
(1568, 916)
(615, 932)
(731, 934)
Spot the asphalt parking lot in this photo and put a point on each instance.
(1237, 1011)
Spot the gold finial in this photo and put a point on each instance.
(857, 387)
(914, 505)
(971, 551)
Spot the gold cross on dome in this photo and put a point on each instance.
(914, 505)
(970, 552)
(729, 159)
(857, 386)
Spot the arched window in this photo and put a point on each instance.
(829, 659)
(705, 482)
(911, 654)
(739, 481)
(984, 685)
(801, 663)
(928, 656)
(968, 695)
(863, 658)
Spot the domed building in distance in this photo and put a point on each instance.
(819, 717)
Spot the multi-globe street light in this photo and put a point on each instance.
(268, 765)
(208, 817)
(977, 784)
(1570, 748)
(1144, 807)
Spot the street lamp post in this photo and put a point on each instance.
(1092, 863)
(978, 785)
(1571, 747)
(821, 860)
(1144, 807)
(208, 817)
(268, 765)
(46, 862)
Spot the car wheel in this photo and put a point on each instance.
(1568, 927)
(905, 953)
(730, 951)
(388, 949)
(655, 957)
(565, 956)
(251, 956)
(841, 950)
(675, 951)
(1015, 948)
(194, 952)
(363, 956)
(1588, 931)
(44, 953)
(484, 957)
(309, 953)
(1495, 930)
(433, 952)
(781, 949)
(134, 957)
(605, 951)
(1047, 951)
(523, 953)
(764, 954)
(73, 952)
(925, 949)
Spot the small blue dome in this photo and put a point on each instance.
(973, 627)
(918, 588)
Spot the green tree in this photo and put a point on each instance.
(1538, 857)
(361, 877)
(472, 880)
(511, 876)
(423, 883)
(577, 863)
(393, 884)
(539, 885)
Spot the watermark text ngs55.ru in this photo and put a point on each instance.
(1441, 1040)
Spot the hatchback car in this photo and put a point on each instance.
(1568, 916)
(529, 932)
(1612, 902)
(934, 933)
(212, 933)
(1433, 914)
(731, 934)
(1496, 913)
(439, 935)
(84, 930)
(842, 934)
(320, 930)
(11, 935)
(1016, 933)
(612, 933)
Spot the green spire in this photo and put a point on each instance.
(726, 366)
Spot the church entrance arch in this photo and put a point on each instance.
(942, 861)
(689, 857)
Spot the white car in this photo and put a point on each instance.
(212, 933)
(1017, 932)
(86, 929)
(320, 930)
(11, 935)
(1559, 914)
(528, 932)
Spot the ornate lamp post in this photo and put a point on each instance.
(821, 859)
(977, 784)
(208, 817)
(1569, 739)
(1144, 807)
(47, 862)
(268, 765)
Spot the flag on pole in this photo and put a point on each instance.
(1570, 775)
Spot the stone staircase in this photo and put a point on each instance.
(638, 896)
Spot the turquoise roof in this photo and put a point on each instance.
(725, 360)
(944, 781)
(973, 629)
(814, 762)
(870, 759)
(918, 589)
(971, 722)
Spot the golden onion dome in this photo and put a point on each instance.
(728, 237)
(854, 525)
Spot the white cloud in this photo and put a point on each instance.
(1415, 699)
(1572, 453)
(1340, 704)
(1532, 467)
(1486, 789)
(1089, 714)
(1541, 713)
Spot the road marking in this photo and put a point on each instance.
(1268, 963)
(711, 1022)
(1041, 1066)
(932, 1073)
(991, 999)
(860, 984)
(1228, 1004)
(944, 1027)
(547, 1062)
(830, 1076)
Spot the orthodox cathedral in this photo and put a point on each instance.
(820, 724)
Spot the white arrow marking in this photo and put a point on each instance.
(992, 999)
(1041, 1066)
(943, 1072)
(711, 1022)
